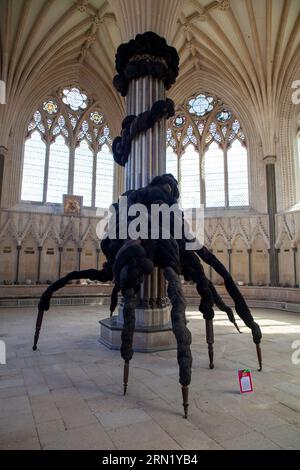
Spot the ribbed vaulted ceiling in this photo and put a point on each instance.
(250, 44)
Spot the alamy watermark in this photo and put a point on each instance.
(162, 221)
(296, 93)
(2, 352)
(2, 92)
(295, 358)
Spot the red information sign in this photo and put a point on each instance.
(245, 381)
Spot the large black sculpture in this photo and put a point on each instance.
(129, 260)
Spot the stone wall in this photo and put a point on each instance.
(40, 247)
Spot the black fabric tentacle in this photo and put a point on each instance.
(129, 324)
(104, 275)
(182, 333)
(147, 54)
(133, 125)
(240, 305)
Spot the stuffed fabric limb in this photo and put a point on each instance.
(219, 302)
(128, 331)
(239, 301)
(104, 275)
(182, 333)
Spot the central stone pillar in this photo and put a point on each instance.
(147, 159)
(272, 210)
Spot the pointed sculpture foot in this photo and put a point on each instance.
(237, 327)
(259, 357)
(211, 355)
(38, 328)
(185, 399)
(125, 377)
(210, 342)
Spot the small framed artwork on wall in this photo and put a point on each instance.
(72, 204)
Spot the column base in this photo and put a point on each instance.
(147, 337)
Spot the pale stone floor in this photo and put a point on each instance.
(68, 394)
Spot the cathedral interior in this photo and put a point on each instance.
(232, 143)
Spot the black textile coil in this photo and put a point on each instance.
(133, 125)
(147, 54)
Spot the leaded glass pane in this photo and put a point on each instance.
(73, 120)
(74, 98)
(171, 163)
(189, 169)
(179, 121)
(224, 115)
(83, 173)
(58, 170)
(201, 105)
(96, 117)
(60, 127)
(170, 139)
(33, 169)
(104, 177)
(190, 137)
(50, 107)
(237, 175)
(214, 176)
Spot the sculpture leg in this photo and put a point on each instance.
(44, 303)
(206, 304)
(222, 306)
(239, 301)
(114, 298)
(127, 332)
(183, 335)
(210, 341)
(37, 328)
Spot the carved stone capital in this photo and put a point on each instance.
(269, 159)
(223, 5)
(82, 5)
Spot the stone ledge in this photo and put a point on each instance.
(280, 298)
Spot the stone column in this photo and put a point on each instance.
(18, 263)
(229, 250)
(249, 250)
(1, 172)
(79, 249)
(295, 251)
(98, 251)
(40, 248)
(272, 209)
(147, 159)
(210, 268)
(60, 250)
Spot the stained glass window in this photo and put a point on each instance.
(214, 176)
(189, 178)
(224, 115)
(74, 98)
(201, 105)
(50, 107)
(179, 121)
(104, 176)
(67, 135)
(58, 170)
(206, 125)
(96, 117)
(83, 172)
(237, 175)
(34, 168)
(171, 163)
